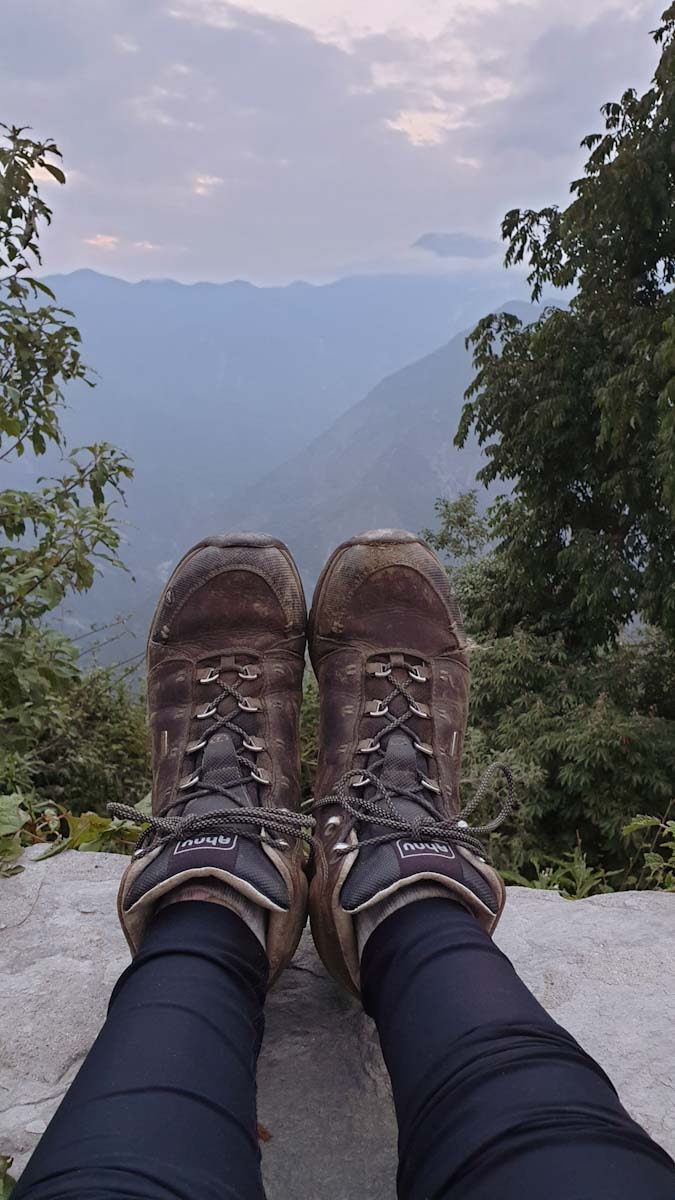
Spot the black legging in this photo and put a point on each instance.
(493, 1098)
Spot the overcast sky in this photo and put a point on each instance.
(282, 139)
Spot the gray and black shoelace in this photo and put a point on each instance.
(376, 805)
(273, 825)
(380, 809)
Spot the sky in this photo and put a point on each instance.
(281, 139)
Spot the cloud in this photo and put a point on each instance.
(204, 184)
(344, 22)
(125, 44)
(286, 138)
(102, 241)
(161, 105)
(457, 245)
(427, 127)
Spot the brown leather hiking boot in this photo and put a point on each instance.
(225, 660)
(390, 653)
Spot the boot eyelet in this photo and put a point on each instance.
(377, 708)
(209, 711)
(416, 674)
(255, 745)
(260, 776)
(342, 846)
(189, 782)
(462, 824)
(247, 673)
(332, 823)
(381, 670)
(360, 781)
(419, 710)
(431, 785)
(195, 747)
(248, 705)
(369, 746)
(211, 676)
(282, 844)
(424, 748)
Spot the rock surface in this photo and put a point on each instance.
(605, 968)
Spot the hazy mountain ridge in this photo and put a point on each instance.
(381, 464)
(244, 407)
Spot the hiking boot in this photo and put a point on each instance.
(390, 654)
(225, 660)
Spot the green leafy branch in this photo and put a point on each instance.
(24, 822)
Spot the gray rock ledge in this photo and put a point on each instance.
(604, 967)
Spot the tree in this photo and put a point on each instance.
(589, 737)
(55, 535)
(577, 410)
(62, 730)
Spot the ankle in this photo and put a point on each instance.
(367, 921)
(215, 891)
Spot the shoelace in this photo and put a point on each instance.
(382, 812)
(220, 722)
(379, 809)
(254, 823)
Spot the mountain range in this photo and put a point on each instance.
(383, 463)
(309, 411)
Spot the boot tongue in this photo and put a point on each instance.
(400, 773)
(221, 769)
(407, 859)
(242, 860)
(399, 769)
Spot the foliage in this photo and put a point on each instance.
(655, 839)
(578, 408)
(569, 875)
(66, 733)
(584, 739)
(309, 735)
(462, 533)
(32, 823)
(53, 537)
(6, 1181)
(652, 865)
(585, 732)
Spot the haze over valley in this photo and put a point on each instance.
(308, 411)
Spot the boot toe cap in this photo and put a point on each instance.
(245, 584)
(386, 588)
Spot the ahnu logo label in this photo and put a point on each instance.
(216, 841)
(415, 849)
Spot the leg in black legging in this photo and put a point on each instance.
(495, 1101)
(164, 1106)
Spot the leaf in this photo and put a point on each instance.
(10, 850)
(7, 1183)
(56, 172)
(55, 848)
(6, 871)
(12, 816)
(144, 806)
(42, 287)
(641, 822)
